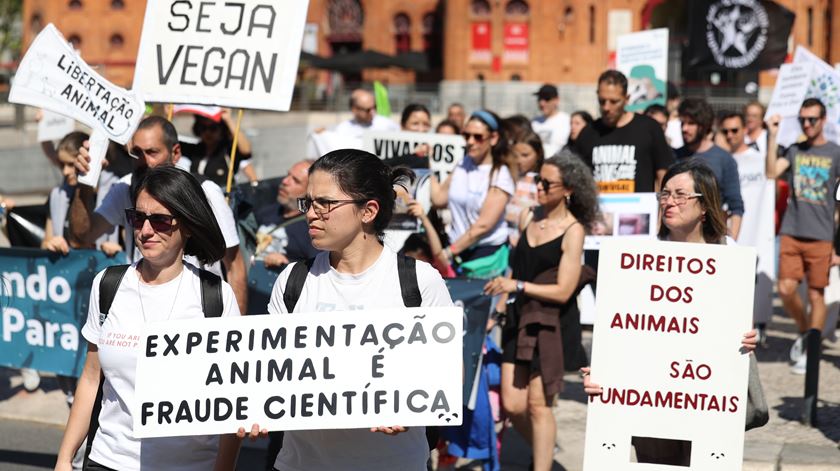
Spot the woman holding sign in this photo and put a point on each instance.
(546, 268)
(476, 193)
(170, 218)
(348, 204)
(690, 211)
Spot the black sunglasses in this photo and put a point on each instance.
(811, 120)
(159, 222)
(545, 184)
(730, 130)
(479, 138)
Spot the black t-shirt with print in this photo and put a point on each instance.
(625, 159)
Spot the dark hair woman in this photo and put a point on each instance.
(348, 204)
(211, 156)
(690, 211)
(170, 218)
(415, 118)
(476, 193)
(577, 122)
(546, 268)
(527, 150)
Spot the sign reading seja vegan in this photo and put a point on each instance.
(666, 349)
(241, 54)
(52, 76)
(322, 370)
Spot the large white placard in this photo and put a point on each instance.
(824, 84)
(445, 150)
(791, 87)
(240, 54)
(632, 215)
(643, 58)
(323, 370)
(667, 350)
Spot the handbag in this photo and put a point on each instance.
(757, 412)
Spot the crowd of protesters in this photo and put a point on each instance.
(514, 212)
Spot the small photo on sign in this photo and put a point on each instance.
(603, 225)
(633, 224)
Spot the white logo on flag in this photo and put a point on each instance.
(736, 31)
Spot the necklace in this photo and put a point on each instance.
(177, 290)
(544, 222)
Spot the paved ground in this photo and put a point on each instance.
(30, 423)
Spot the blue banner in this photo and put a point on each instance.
(44, 298)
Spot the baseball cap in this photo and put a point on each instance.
(547, 92)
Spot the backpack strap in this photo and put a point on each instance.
(108, 285)
(407, 270)
(295, 282)
(211, 293)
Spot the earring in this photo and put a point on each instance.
(568, 199)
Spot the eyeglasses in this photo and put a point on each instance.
(159, 222)
(322, 205)
(679, 197)
(479, 138)
(730, 131)
(811, 120)
(545, 184)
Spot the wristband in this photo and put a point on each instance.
(520, 286)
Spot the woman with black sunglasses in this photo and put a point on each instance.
(476, 193)
(546, 269)
(170, 218)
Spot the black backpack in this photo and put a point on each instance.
(211, 304)
(407, 271)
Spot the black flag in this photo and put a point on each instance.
(737, 34)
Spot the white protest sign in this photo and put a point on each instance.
(632, 215)
(791, 86)
(666, 348)
(54, 126)
(52, 76)
(643, 58)
(240, 54)
(824, 84)
(319, 370)
(445, 150)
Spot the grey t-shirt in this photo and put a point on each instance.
(813, 173)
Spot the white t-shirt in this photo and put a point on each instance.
(328, 290)
(467, 191)
(118, 199)
(759, 144)
(673, 133)
(553, 131)
(118, 340)
(354, 129)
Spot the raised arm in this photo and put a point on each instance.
(491, 212)
(774, 166)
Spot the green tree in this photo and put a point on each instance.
(10, 28)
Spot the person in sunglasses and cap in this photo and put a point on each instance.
(553, 125)
(155, 144)
(169, 217)
(807, 231)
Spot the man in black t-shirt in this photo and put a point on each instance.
(627, 152)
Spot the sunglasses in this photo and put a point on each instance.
(479, 138)
(730, 131)
(159, 222)
(811, 120)
(545, 184)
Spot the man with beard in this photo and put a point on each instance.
(627, 152)
(283, 235)
(697, 117)
(155, 143)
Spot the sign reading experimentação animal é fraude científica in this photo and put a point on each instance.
(319, 370)
(666, 348)
(240, 54)
(53, 76)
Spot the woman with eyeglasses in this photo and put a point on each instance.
(476, 193)
(546, 268)
(689, 211)
(348, 204)
(170, 218)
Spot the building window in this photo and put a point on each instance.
(75, 40)
(516, 7)
(116, 41)
(117, 4)
(429, 20)
(591, 24)
(569, 15)
(402, 32)
(810, 26)
(36, 23)
(480, 7)
(345, 19)
(75, 4)
(515, 78)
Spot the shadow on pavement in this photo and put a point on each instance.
(828, 415)
(29, 458)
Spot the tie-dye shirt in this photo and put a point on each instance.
(812, 176)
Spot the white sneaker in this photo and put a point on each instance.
(797, 350)
(799, 367)
(31, 379)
